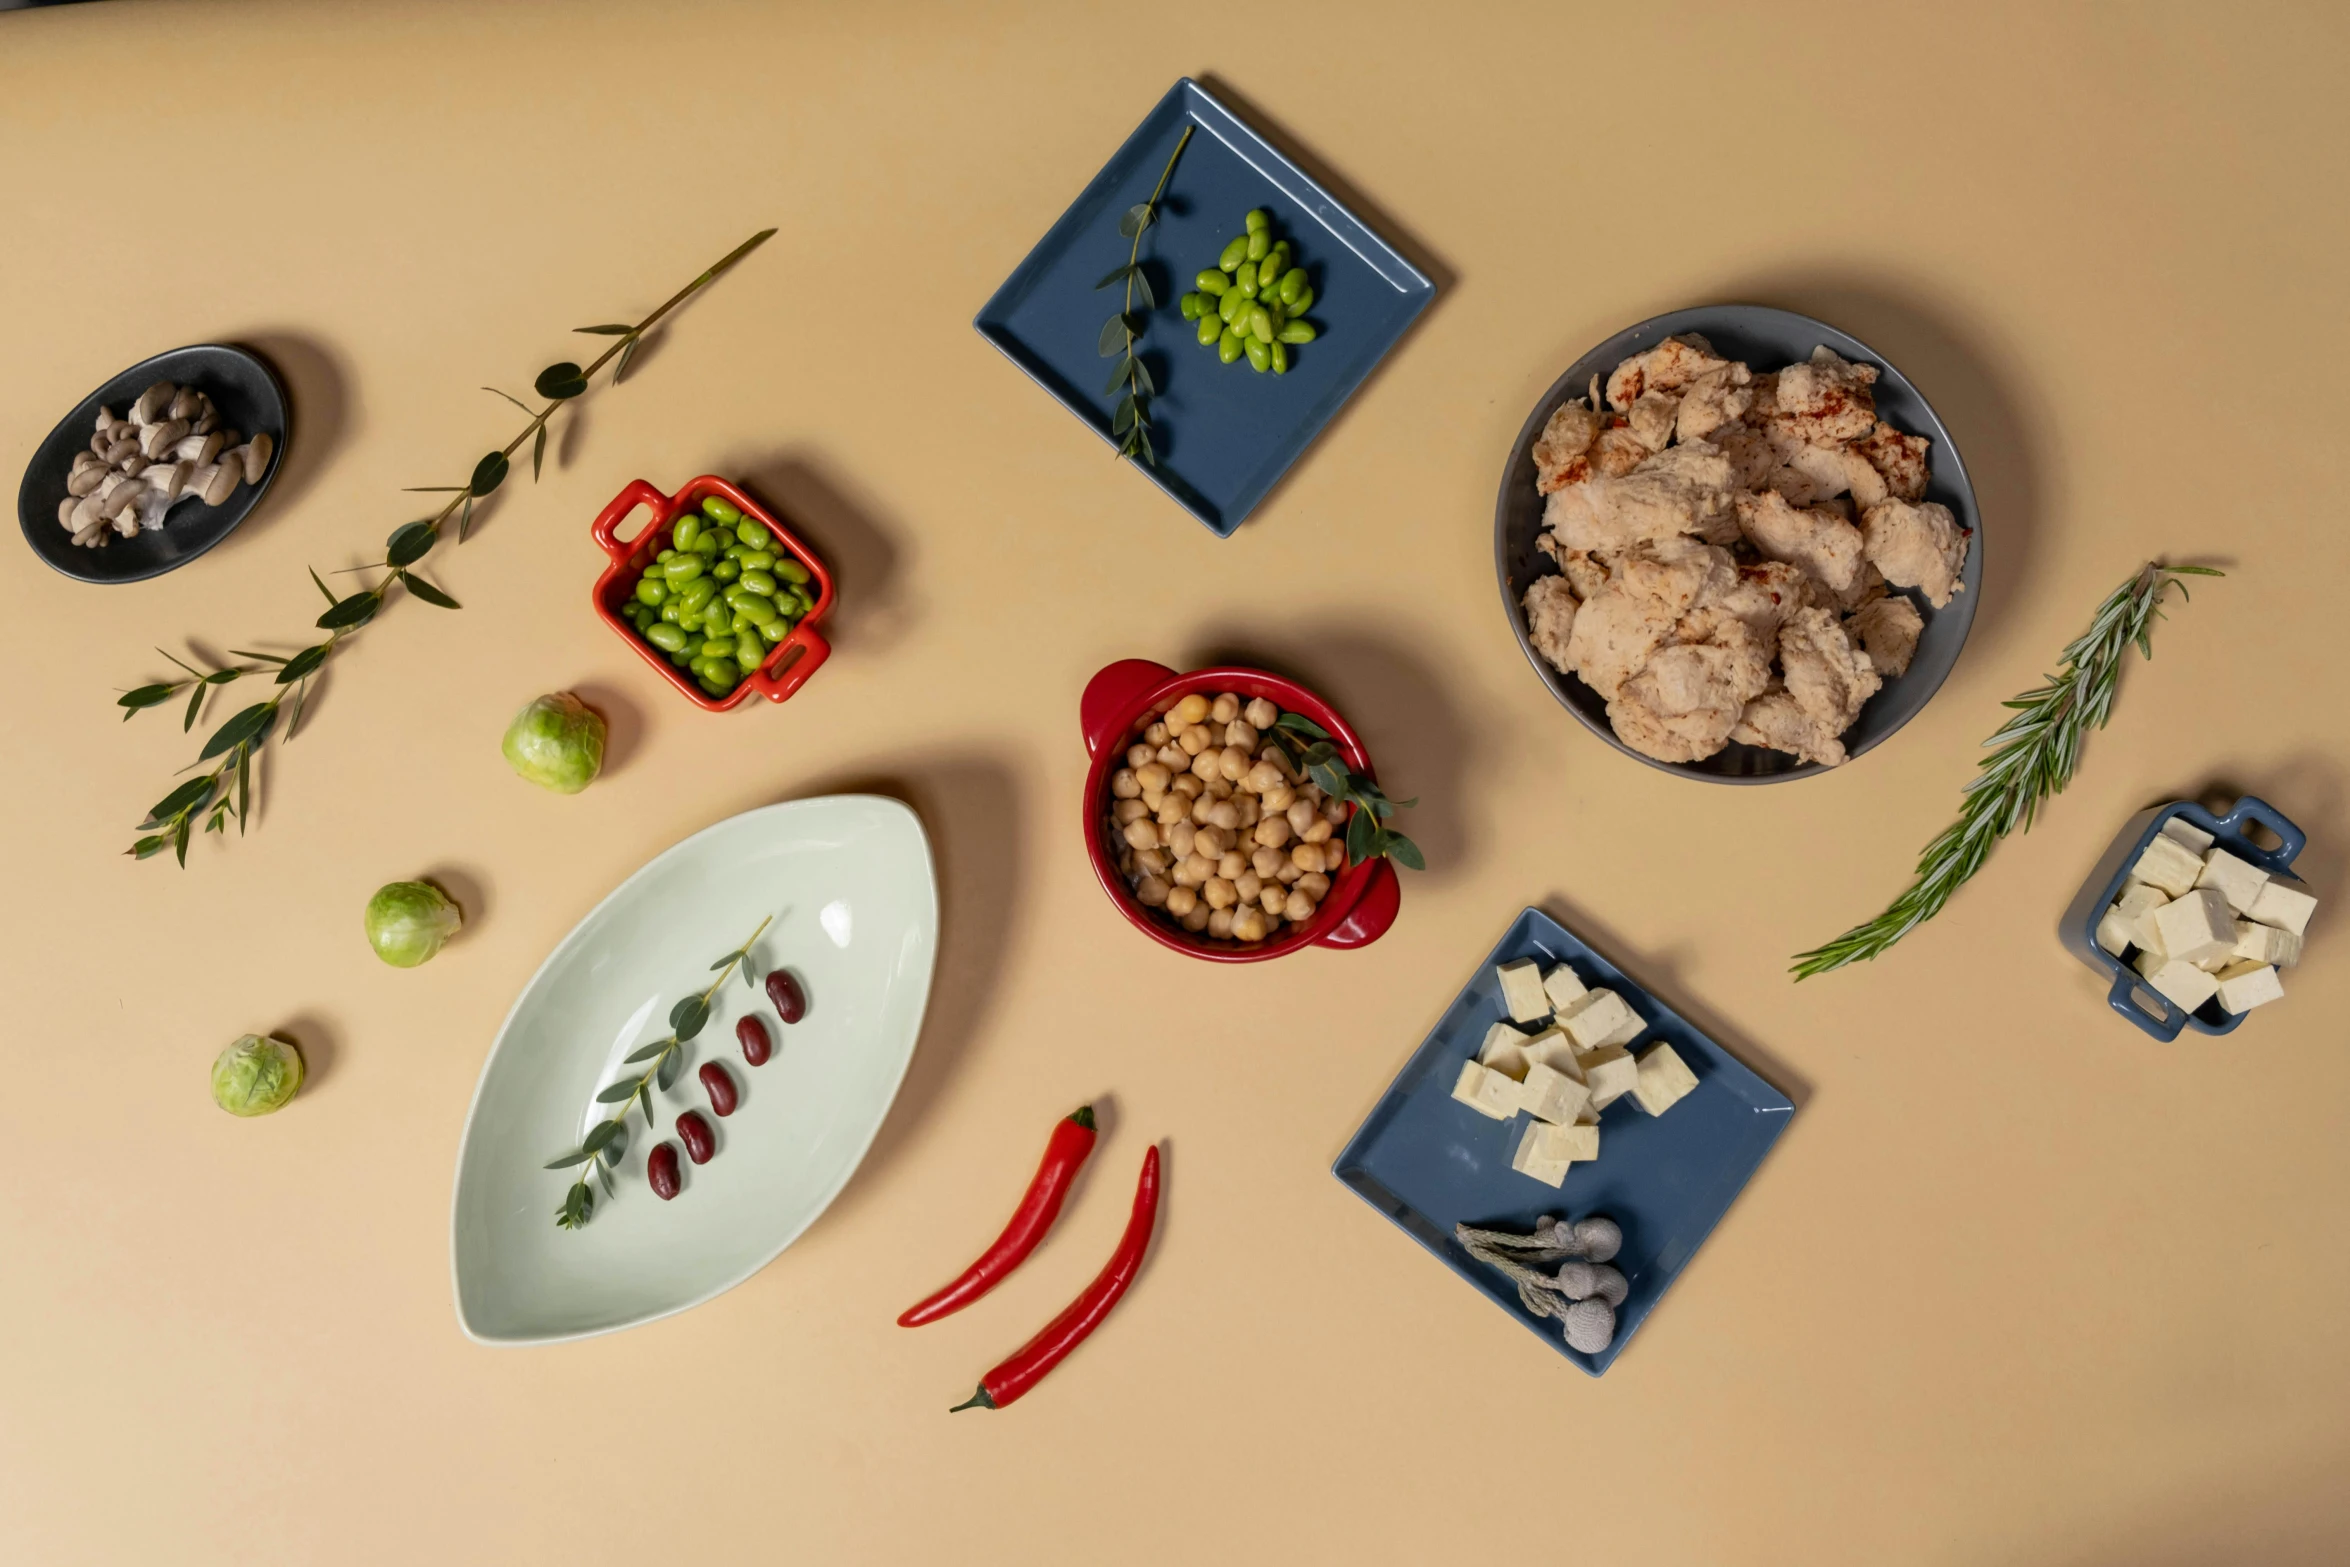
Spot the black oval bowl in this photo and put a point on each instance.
(251, 401)
(1767, 339)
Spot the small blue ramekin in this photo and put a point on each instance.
(2130, 995)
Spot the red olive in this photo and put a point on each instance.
(757, 1047)
(700, 1141)
(661, 1170)
(720, 1087)
(791, 1003)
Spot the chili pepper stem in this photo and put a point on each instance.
(978, 1400)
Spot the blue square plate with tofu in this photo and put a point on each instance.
(1429, 1162)
(1224, 434)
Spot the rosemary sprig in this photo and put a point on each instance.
(1368, 837)
(1130, 420)
(607, 1140)
(2034, 755)
(168, 825)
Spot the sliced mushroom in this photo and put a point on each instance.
(168, 479)
(85, 481)
(152, 402)
(157, 439)
(85, 513)
(88, 537)
(108, 485)
(149, 509)
(124, 497)
(65, 510)
(186, 403)
(122, 450)
(222, 478)
(103, 442)
(106, 419)
(206, 422)
(257, 452)
(127, 524)
(199, 448)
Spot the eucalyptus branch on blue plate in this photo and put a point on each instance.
(1130, 419)
(1312, 752)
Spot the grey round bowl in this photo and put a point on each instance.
(1767, 339)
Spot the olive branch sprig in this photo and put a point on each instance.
(2034, 756)
(170, 823)
(1130, 419)
(1312, 752)
(607, 1140)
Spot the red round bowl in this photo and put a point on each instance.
(1119, 703)
(788, 664)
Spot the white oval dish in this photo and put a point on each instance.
(850, 884)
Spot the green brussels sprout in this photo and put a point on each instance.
(408, 920)
(256, 1075)
(557, 743)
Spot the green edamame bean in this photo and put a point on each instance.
(1280, 353)
(1228, 346)
(1210, 328)
(1303, 303)
(665, 637)
(773, 631)
(1293, 283)
(1268, 274)
(726, 571)
(1212, 281)
(696, 594)
(672, 610)
(748, 649)
(1228, 304)
(683, 569)
(1246, 280)
(718, 620)
(751, 534)
(687, 531)
(1234, 254)
(1281, 249)
(652, 591)
(1298, 332)
(1260, 244)
(757, 610)
(665, 555)
(1260, 324)
(758, 560)
(1258, 220)
(717, 647)
(759, 582)
(1188, 306)
(708, 546)
(1259, 356)
(790, 570)
(719, 509)
(721, 671)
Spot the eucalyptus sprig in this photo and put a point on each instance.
(2034, 755)
(1312, 752)
(607, 1140)
(169, 824)
(1130, 420)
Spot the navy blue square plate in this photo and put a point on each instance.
(1430, 1163)
(1224, 433)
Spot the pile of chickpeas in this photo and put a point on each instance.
(1214, 829)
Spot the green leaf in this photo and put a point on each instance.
(1114, 336)
(1142, 379)
(620, 365)
(410, 542)
(449, 489)
(322, 587)
(1319, 752)
(668, 1070)
(302, 663)
(606, 331)
(427, 592)
(1134, 220)
(560, 381)
(1405, 852)
(1115, 275)
(604, 1176)
(221, 677)
(538, 448)
(186, 797)
(144, 697)
(613, 1093)
(249, 727)
(688, 1016)
(1122, 417)
(644, 1052)
(724, 961)
(195, 705)
(488, 474)
(351, 613)
(599, 1135)
(1298, 723)
(750, 980)
(464, 517)
(147, 848)
(645, 1093)
(244, 786)
(1126, 369)
(1331, 776)
(1361, 828)
(576, 1156)
(179, 841)
(1142, 286)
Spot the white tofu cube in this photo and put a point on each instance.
(2196, 927)
(2182, 984)
(1562, 987)
(2243, 986)
(1579, 1142)
(1504, 1051)
(1548, 1094)
(2285, 907)
(2128, 918)
(1552, 1048)
(1610, 1074)
(1601, 1018)
(2257, 943)
(2186, 832)
(2168, 864)
(1521, 990)
(1486, 1092)
(1532, 1156)
(2236, 880)
(1663, 1080)
(2116, 934)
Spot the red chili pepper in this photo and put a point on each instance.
(1028, 1364)
(1072, 1140)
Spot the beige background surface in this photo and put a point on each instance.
(2018, 1286)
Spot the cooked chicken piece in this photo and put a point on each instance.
(1868, 586)
(1559, 452)
(1645, 597)
(1774, 719)
(1828, 677)
(1714, 399)
(1651, 419)
(1684, 702)
(1760, 597)
(1822, 543)
(1916, 546)
(1828, 400)
(1617, 452)
(1811, 474)
(1668, 367)
(1683, 489)
(1550, 618)
(1584, 573)
(1765, 406)
(1887, 630)
(1900, 458)
(1748, 451)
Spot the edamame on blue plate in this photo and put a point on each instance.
(719, 596)
(1253, 301)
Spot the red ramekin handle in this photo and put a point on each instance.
(1109, 694)
(605, 529)
(791, 672)
(1373, 913)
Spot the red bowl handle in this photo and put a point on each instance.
(1373, 912)
(802, 654)
(1108, 696)
(606, 527)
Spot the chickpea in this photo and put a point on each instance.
(1220, 893)
(1156, 861)
(1143, 835)
(1280, 797)
(1124, 784)
(1244, 806)
(1273, 900)
(1189, 785)
(1225, 816)
(1151, 892)
(1249, 885)
(1306, 857)
(1140, 754)
(1299, 908)
(1272, 832)
(1180, 838)
(1157, 735)
(1334, 856)
(1334, 811)
(1208, 766)
(1211, 841)
(1187, 712)
(1174, 756)
(1234, 863)
(1300, 815)
(1314, 885)
(1196, 868)
(1126, 862)
(1192, 741)
(1234, 763)
(1220, 924)
(1261, 713)
(1267, 862)
(1225, 708)
(1153, 775)
(1200, 806)
(1196, 920)
(1239, 733)
(1288, 871)
(1127, 811)
(1264, 778)
(1180, 900)
(1249, 925)
(1318, 830)
(1220, 787)
(1312, 794)
(1173, 808)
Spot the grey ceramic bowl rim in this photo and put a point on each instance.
(1578, 375)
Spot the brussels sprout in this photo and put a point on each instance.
(557, 743)
(408, 920)
(256, 1075)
